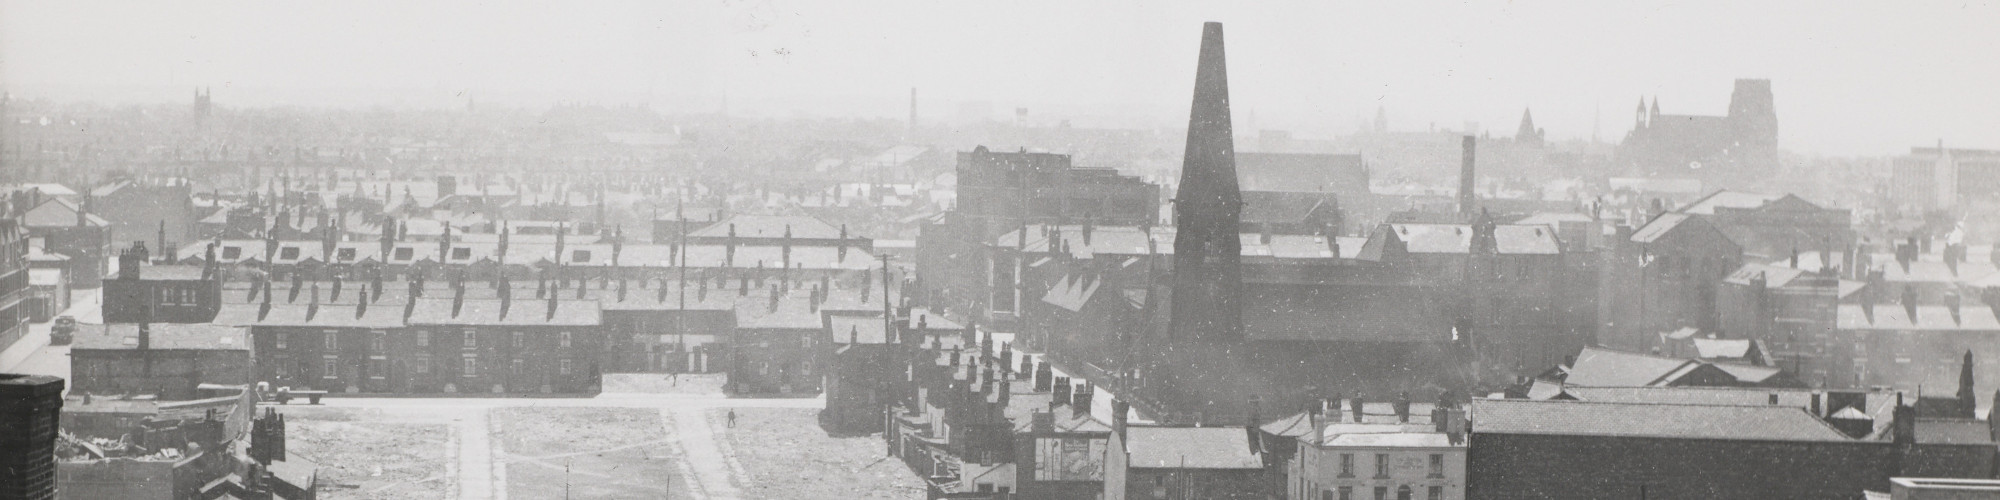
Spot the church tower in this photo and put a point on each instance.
(1207, 279)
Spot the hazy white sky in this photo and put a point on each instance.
(1850, 77)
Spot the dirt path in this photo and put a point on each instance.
(711, 472)
(476, 478)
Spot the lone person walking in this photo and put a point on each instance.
(732, 419)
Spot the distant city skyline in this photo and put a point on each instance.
(1869, 79)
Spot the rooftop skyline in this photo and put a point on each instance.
(1868, 79)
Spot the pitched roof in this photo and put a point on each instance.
(1596, 366)
(1509, 239)
(1658, 227)
(1072, 292)
(1721, 348)
(125, 336)
(380, 314)
(1953, 431)
(863, 329)
(1384, 314)
(523, 312)
(1893, 317)
(1672, 421)
(57, 212)
(770, 226)
(1730, 199)
(1190, 448)
(1774, 276)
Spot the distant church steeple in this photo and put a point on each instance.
(1207, 278)
(1528, 134)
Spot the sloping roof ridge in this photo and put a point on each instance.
(1645, 403)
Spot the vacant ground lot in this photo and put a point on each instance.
(372, 455)
(610, 453)
(784, 454)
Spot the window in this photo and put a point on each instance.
(471, 368)
(1437, 465)
(1434, 493)
(520, 339)
(423, 338)
(332, 341)
(565, 339)
(288, 253)
(1347, 493)
(517, 366)
(1381, 493)
(1403, 492)
(461, 253)
(375, 368)
(378, 341)
(579, 256)
(280, 339)
(329, 367)
(404, 253)
(563, 367)
(344, 254)
(231, 253)
(1381, 465)
(1347, 465)
(280, 370)
(470, 339)
(421, 364)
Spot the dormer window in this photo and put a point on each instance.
(404, 253)
(232, 253)
(461, 253)
(288, 253)
(579, 256)
(344, 254)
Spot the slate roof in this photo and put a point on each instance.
(770, 226)
(124, 336)
(1953, 431)
(1658, 227)
(1722, 396)
(1580, 418)
(863, 329)
(1608, 368)
(1190, 448)
(794, 313)
(56, 212)
(1731, 199)
(1283, 207)
(1511, 239)
(523, 312)
(1382, 314)
(1072, 292)
(1774, 276)
(1419, 439)
(534, 252)
(1721, 348)
(380, 314)
(1893, 317)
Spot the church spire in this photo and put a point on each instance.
(1207, 210)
